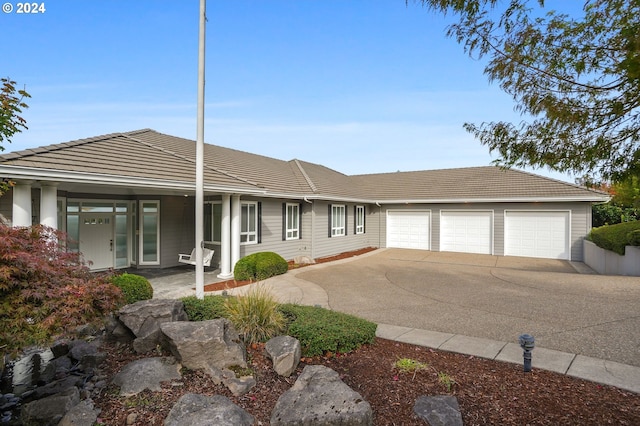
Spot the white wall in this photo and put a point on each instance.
(610, 263)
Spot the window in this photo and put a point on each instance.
(249, 223)
(291, 221)
(359, 219)
(213, 221)
(338, 220)
(150, 232)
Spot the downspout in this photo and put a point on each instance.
(379, 224)
(313, 225)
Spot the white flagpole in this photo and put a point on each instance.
(200, 158)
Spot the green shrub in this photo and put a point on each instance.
(260, 266)
(610, 214)
(211, 307)
(616, 237)
(245, 269)
(134, 287)
(255, 315)
(633, 237)
(320, 330)
(270, 264)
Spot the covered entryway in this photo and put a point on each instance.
(466, 231)
(537, 234)
(408, 229)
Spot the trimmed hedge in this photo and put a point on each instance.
(134, 287)
(211, 307)
(260, 266)
(321, 330)
(616, 237)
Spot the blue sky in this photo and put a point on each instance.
(359, 86)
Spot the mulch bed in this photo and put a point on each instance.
(489, 392)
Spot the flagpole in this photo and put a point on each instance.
(199, 237)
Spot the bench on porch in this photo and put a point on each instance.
(207, 255)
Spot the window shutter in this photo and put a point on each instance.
(259, 222)
(300, 221)
(364, 219)
(329, 220)
(346, 220)
(355, 220)
(284, 221)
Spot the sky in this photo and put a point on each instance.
(359, 86)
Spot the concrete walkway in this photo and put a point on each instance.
(298, 286)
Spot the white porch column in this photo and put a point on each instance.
(21, 215)
(49, 204)
(226, 271)
(235, 230)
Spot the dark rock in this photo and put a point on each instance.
(50, 410)
(319, 397)
(90, 362)
(57, 386)
(60, 348)
(439, 410)
(200, 410)
(285, 351)
(80, 349)
(116, 331)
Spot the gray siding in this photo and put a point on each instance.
(328, 246)
(177, 228)
(580, 221)
(271, 237)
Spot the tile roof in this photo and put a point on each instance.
(148, 155)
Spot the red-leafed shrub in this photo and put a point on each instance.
(46, 291)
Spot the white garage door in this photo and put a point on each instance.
(537, 234)
(466, 231)
(408, 229)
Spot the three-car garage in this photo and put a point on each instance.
(509, 232)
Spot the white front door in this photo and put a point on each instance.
(96, 239)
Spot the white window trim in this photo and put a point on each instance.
(249, 233)
(292, 233)
(359, 220)
(141, 216)
(213, 240)
(338, 231)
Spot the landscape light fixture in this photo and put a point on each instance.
(527, 342)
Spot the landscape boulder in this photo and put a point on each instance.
(146, 373)
(200, 410)
(438, 410)
(319, 397)
(145, 317)
(285, 352)
(205, 344)
(49, 410)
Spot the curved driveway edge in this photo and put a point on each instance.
(585, 325)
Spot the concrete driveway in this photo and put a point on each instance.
(490, 297)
